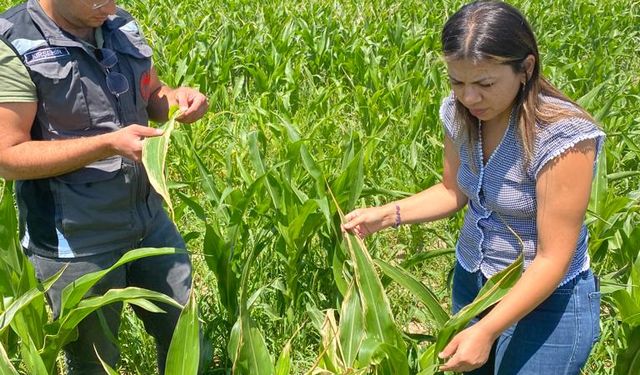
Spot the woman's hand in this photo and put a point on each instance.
(468, 350)
(364, 221)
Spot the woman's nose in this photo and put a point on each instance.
(470, 96)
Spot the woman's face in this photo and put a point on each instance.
(487, 89)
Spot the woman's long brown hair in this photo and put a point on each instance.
(498, 32)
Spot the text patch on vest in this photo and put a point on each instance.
(45, 54)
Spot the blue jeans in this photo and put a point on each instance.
(555, 338)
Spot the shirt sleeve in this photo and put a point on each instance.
(15, 83)
(553, 140)
(448, 115)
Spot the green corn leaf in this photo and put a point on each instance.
(184, 352)
(588, 99)
(10, 249)
(628, 359)
(208, 184)
(73, 293)
(26, 299)
(6, 367)
(32, 359)
(258, 164)
(246, 346)
(146, 304)
(599, 187)
(154, 156)
(427, 364)
(283, 365)
(105, 365)
(219, 261)
(378, 318)
(351, 330)
(387, 359)
(67, 323)
(628, 307)
(356, 175)
(418, 289)
(248, 349)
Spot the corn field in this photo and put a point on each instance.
(318, 107)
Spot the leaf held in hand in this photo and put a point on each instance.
(154, 155)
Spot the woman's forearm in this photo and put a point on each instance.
(537, 283)
(434, 203)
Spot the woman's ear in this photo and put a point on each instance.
(529, 64)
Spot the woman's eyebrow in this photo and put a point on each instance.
(480, 80)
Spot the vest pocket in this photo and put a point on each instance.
(62, 97)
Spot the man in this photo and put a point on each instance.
(77, 89)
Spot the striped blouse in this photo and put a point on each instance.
(504, 186)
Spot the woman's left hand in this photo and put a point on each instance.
(468, 350)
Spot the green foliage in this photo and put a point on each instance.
(183, 357)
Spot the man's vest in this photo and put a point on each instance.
(103, 206)
(73, 97)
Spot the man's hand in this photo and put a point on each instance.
(127, 141)
(193, 104)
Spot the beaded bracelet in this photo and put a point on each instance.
(398, 218)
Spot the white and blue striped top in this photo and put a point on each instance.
(504, 186)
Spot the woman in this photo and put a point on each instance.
(521, 156)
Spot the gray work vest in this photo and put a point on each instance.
(82, 211)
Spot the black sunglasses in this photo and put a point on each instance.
(117, 83)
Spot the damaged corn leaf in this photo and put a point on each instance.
(154, 156)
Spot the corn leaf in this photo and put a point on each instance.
(25, 300)
(73, 293)
(351, 330)
(154, 156)
(105, 365)
(599, 187)
(418, 289)
(246, 346)
(10, 249)
(32, 360)
(248, 349)
(283, 365)
(6, 367)
(330, 358)
(65, 327)
(628, 359)
(378, 318)
(184, 351)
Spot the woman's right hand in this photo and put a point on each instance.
(365, 221)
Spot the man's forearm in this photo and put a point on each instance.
(40, 159)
